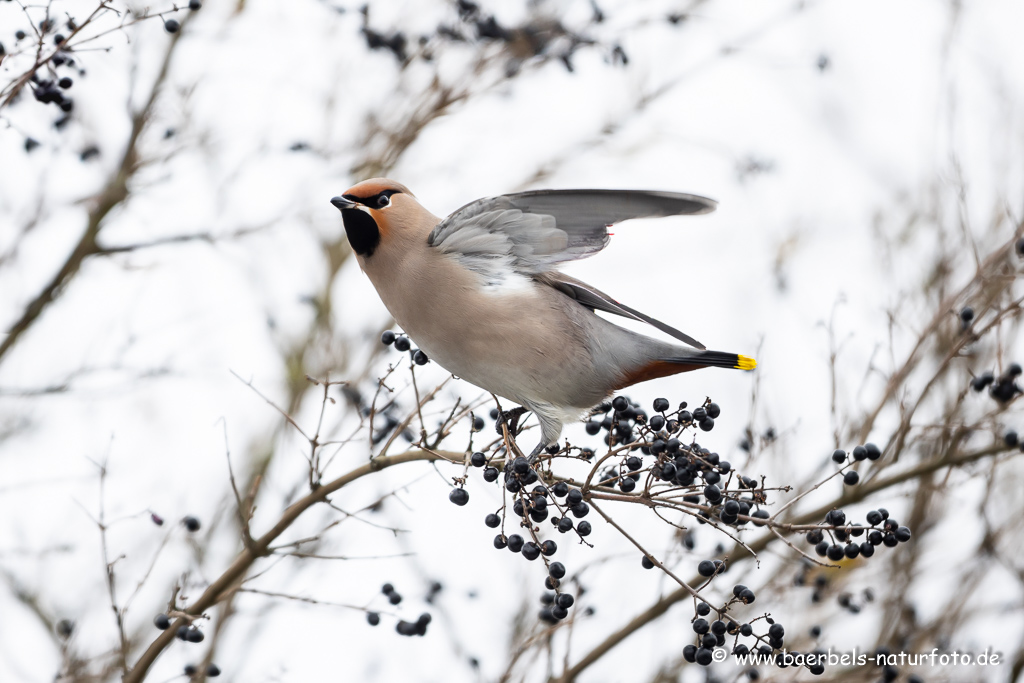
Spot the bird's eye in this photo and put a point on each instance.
(383, 201)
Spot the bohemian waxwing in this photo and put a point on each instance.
(479, 292)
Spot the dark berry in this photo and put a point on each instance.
(490, 473)
(459, 496)
(982, 381)
(593, 427)
(194, 635)
(902, 534)
(620, 403)
(387, 338)
(478, 459)
(690, 653)
(65, 82)
(701, 626)
(776, 631)
(866, 549)
(212, 670)
(372, 618)
(852, 550)
(1010, 438)
(564, 600)
(706, 568)
(839, 455)
(714, 410)
(873, 451)
(420, 358)
(195, 5)
(515, 543)
(500, 542)
(191, 670)
(394, 598)
(574, 497)
(704, 656)
(835, 552)
(850, 478)
(860, 453)
(172, 26)
(492, 520)
(583, 528)
(707, 424)
(191, 523)
(520, 465)
(403, 344)
(162, 622)
(835, 517)
(65, 627)
(530, 550)
(712, 493)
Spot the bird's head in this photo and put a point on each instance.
(375, 211)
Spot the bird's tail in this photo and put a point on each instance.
(673, 365)
(714, 359)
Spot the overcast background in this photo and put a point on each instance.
(846, 143)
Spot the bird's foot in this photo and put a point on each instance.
(510, 418)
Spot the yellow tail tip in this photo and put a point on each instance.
(745, 363)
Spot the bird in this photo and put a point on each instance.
(481, 294)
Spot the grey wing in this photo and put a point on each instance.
(597, 300)
(531, 232)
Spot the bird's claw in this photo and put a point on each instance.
(510, 418)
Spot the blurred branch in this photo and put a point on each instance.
(227, 582)
(115, 192)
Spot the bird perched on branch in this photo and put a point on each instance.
(479, 292)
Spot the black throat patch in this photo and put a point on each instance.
(363, 233)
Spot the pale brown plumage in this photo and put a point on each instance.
(479, 293)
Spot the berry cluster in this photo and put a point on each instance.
(1003, 388)
(543, 37)
(715, 634)
(403, 628)
(401, 343)
(868, 451)
(881, 530)
(212, 670)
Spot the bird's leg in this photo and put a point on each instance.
(536, 452)
(510, 418)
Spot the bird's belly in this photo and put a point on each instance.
(517, 346)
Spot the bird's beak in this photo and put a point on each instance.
(341, 203)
